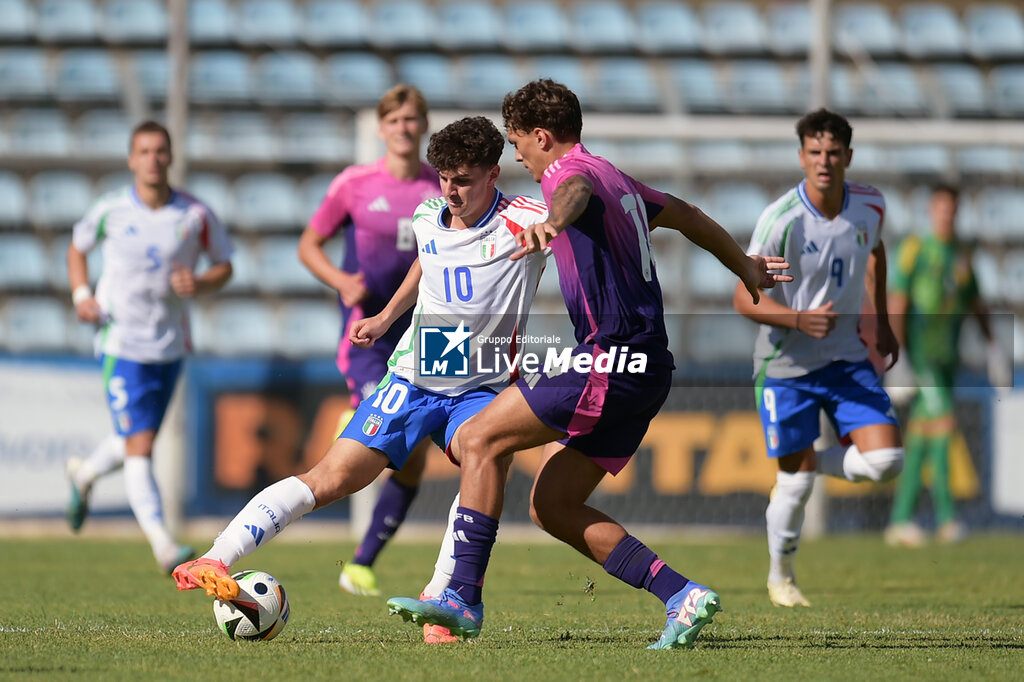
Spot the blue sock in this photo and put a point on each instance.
(388, 514)
(634, 564)
(474, 537)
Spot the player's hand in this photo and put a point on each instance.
(888, 345)
(183, 281)
(764, 272)
(353, 289)
(819, 322)
(89, 311)
(535, 238)
(364, 333)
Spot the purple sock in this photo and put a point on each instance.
(474, 537)
(634, 564)
(388, 514)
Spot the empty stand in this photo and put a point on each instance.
(103, 133)
(667, 27)
(788, 26)
(994, 31)
(24, 73)
(401, 24)
(625, 84)
(931, 30)
(356, 79)
(265, 201)
(732, 28)
(222, 76)
(308, 328)
(266, 22)
(34, 323)
(288, 78)
(601, 26)
(65, 20)
(334, 23)
(867, 27)
(535, 25)
(133, 21)
(23, 262)
(469, 25)
(58, 198)
(13, 199)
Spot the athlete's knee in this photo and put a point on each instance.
(884, 464)
(472, 444)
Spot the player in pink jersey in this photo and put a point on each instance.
(373, 205)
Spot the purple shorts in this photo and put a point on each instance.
(605, 414)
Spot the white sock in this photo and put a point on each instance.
(879, 465)
(785, 519)
(445, 564)
(144, 498)
(106, 457)
(262, 518)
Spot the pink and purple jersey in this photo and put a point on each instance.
(605, 267)
(375, 210)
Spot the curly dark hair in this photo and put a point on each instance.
(544, 104)
(467, 143)
(824, 121)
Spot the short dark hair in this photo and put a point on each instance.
(467, 143)
(946, 188)
(544, 104)
(149, 126)
(824, 121)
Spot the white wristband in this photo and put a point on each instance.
(81, 294)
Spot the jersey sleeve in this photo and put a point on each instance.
(88, 232)
(767, 237)
(216, 241)
(334, 209)
(904, 263)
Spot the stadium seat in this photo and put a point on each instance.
(243, 269)
(152, 72)
(65, 20)
(266, 22)
(789, 28)
(900, 218)
(865, 27)
(133, 21)
(999, 209)
(732, 28)
(961, 89)
(982, 160)
(215, 191)
(39, 132)
(736, 205)
(601, 26)
(57, 262)
(760, 86)
(720, 155)
(58, 199)
(625, 84)
(698, 84)
(103, 133)
(719, 335)
(648, 157)
(706, 276)
(1008, 89)
(287, 78)
(12, 199)
(24, 73)
(17, 21)
(265, 201)
(113, 182)
(235, 327)
(356, 79)
(534, 25)
(994, 31)
(892, 87)
(316, 137)
(308, 329)
(401, 24)
(668, 256)
(210, 21)
(245, 136)
(566, 70)
(485, 80)
(469, 25)
(871, 157)
(924, 159)
(86, 74)
(779, 156)
(931, 30)
(431, 72)
(311, 193)
(666, 28)
(280, 270)
(334, 23)
(220, 76)
(35, 324)
(22, 262)
(1012, 281)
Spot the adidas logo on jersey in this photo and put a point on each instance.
(431, 247)
(811, 247)
(379, 205)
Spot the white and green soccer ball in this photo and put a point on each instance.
(259, 612)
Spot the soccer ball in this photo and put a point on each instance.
(259, 612)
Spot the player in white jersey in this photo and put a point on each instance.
(151, 237)
(471, 301)
(809, 355)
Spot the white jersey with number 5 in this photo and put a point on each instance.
(471, 296)
(145, 321)
(828, 261)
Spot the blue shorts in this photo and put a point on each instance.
(138, 393)
(398, 415)
(850, 393)
(605, 414)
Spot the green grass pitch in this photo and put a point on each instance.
(82, 608)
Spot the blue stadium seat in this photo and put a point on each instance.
(892, 88)
(999, 209)
(235, 327)
(534, 25)
(759, 86)
(16, 20)
(266, 22)
(220, 76)
(125, 21)
(24, 73)
(667, 27)
(931, 30)
(57, 262)
(789, 28)
(601, 26)
(842, 88)
(469, 25)
(210, 21)
(243, 267)
(720, 335)
(994, 31)
(35, 323)
(12, 199)
(924, 159)
(732, 28)
(245, 135)
(736, 205)
(39, 132)
(900, 218)
(698, 84)
(405, 24)
(356, 79)
(86, 74)
(779, 156)
(486, 79)
(308, 328)
(112, 182)
(152, 72)
(625, 84)
(871, 157)
(265, 201)
(65, 20)
(707, 277)
(431, 72)
(720, 155)
(986, 160)
(1008, 89)
(215, 191)
(287, 78)
(566, 70)
(311, 193)
(334, 23)
(23, 262)
(646, 157)
(103, 133)
(962, 89)
(280, 270)
(315, 137)
(58, 199)
(866, 26)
